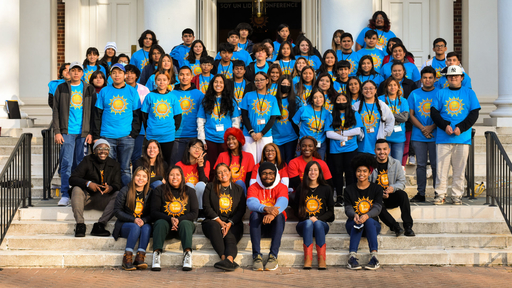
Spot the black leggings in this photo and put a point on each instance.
(226, 246)
(343, 164)
(167, 151)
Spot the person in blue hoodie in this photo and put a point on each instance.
(180, 52)
(52, 86)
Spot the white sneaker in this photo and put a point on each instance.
(187, 261)
(64, 201)
(156, 261)
(412, 160)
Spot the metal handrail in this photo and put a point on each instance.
(470, 168)
(51, 155)
(16, 182)
(499, 175)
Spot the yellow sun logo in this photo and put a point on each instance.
(143, 63)
(438, 73)
(382, 179)
(327, 104)
(187, 104)
(153, 174)
(170, 87)
(239, 93)
(305, 95)
(454, 106)
(376, 60)
(161, 109)
(236, 172)
(287, 70)
(225, 203)
(269, 202)
(311, 62)
(424, 107)
(227, 73)
(352, 66)
(216, 114)
(203, 86)
(175, 208)
(192, 178)
(363, 205)
(118, 105)
(88, 75)
(185, 57)
(313, 205)
(261, 107)
(139, 207)
(370, 119)
(196, 69)
(381, 43)
(315, 125)
(394, 109)
(76, 99)
(272, 90)
(284, 115)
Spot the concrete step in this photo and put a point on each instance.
(200, 242)
(287, 258)
(7, 149)
(6, 140)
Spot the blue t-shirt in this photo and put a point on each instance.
(443, 82)
(350, 145)
(217, 121)
(397, 106)
(238, 55)
(272, 90)
(195, 67)
(301, 100)
(140, 59)
(353, 58)
(377, 78)
(383, 38)
(204, 82)
(52, 86)
(263, 68)
(239, 91)
(227, 71)
(454, 106)
(76, 109)
(439, 66)
(296, 80)
(312, 123)
(277, 45)
(287, 66)
(118, 105)
(151, 84)
(420, 102)
(180, 53)
(260, 108)
(313, 61)
(377, 56)
(89, 70)
(189, 100)
(161, 109)
(282, 131)
(340, 87)
(411, 70)
(371, 120)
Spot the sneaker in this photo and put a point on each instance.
(80, 230)
(226, 265)
(353, 264)
(257, 263)
(438, 200)
(373, 264)
(457, 201)
(417, 198)
(98, 229)
(64, 201)
(187, 261)
(271, 263)
(156, 261)
(412, 160)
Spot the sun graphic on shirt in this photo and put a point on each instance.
(315, 125)
(76, 100)
(376, 60)
(239, 94)
(287, 70)
(187, 104)
(438, 73)
(196, 69)
(313, 205)
(225, 203)
(139, 207)
(170, 87)
(352, 65)
(161, 109)
(382, 179)
(118, 104)
(284, 115)
(237, 172)
(381, 42)
(176, 207)
(424, 107)
(192, 178)
(394, 109)
(143, 63)
(370, 119)
(269, 202)
(261, 107)
(186, 55)
(311, 62)
(305, 95)
(153, 174)
(454, 106)
(87, 75)
(203, 85)
(216, 114)
(363, 205)
(226, 73)
(327, 104)
(272, 90)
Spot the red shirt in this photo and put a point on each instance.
(238, 172)
(283, 173)
(190, 172)
(268, 197)
(297, 166)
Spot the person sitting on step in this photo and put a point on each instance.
(133, 218)
(391, 177)
(96, 182)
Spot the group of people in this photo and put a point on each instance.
(263, 126)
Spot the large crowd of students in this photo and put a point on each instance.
(180, 137)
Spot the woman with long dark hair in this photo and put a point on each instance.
(379, 23)
(329, 64)
(155, 53)
(197, 51)
(98, 80)
(174, 209)
(283, 35)
(165, 65)
(91, 64)
(153, 160)
(286, 58)
(314, 206)
(134, 218)
(109, 58)
(354, 90)
(303, 87)
(305, 49)
(224, 209)
(366, 71)
(284, 133)
(271, 154)
(325, 84)
(274, 73)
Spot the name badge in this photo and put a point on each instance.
(219, 127)
(397, 128)
(319, 144)
(261, 121)
(371, 130)
(342, 143)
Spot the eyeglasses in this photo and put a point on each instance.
(369, 88)
(101, 149)
(259, 80)
(197, 148)
(123, 62)
(270, 151)
(268, 173)
(439, 46)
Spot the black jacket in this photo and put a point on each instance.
(61, 106)
(88, 170)
(146, 73)
(250, 72)
(125, 214)
(211, 207)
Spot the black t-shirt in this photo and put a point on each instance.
(382, 177)
(318, 203)
(363, 201)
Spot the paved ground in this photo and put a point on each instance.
(391, 276)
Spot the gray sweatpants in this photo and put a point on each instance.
(83, 200)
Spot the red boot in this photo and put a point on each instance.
(320, 252)
(308, 255)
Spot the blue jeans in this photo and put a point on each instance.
(288, 151)
(242, 184)
(307, 230)
(132, 232)
(370, 230)
(199, 187)
(71, 154)
(178, 149)
(137, 150)
(156, 184)
(121, 150)
(274, 230)
(397, 150)
(421, 149)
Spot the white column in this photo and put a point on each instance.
(351, 16)
(73, 36)
(502, 116)
(441, 22)
(10, 31)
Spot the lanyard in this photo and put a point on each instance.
(286, 69)
(222, 71)
(395, 102)
(217, 107)
(202, 78)
(260, 103)
(317, 120)
(348, 55)
(239, 89)
(362, 77)
(370, 114)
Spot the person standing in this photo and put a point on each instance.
(52, 86)
(142, 58)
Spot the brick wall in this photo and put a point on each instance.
(457, 26)
(60, 33)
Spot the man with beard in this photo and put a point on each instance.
(267, 199)
(96, 182)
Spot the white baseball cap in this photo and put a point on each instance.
(75, 64)
(454, 70)
(111, 45)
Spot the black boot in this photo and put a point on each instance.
(409, 232)
(98, 229)
(398, 231)
(127, 261)
(339, 201)
(80, 230)
(417, 198)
